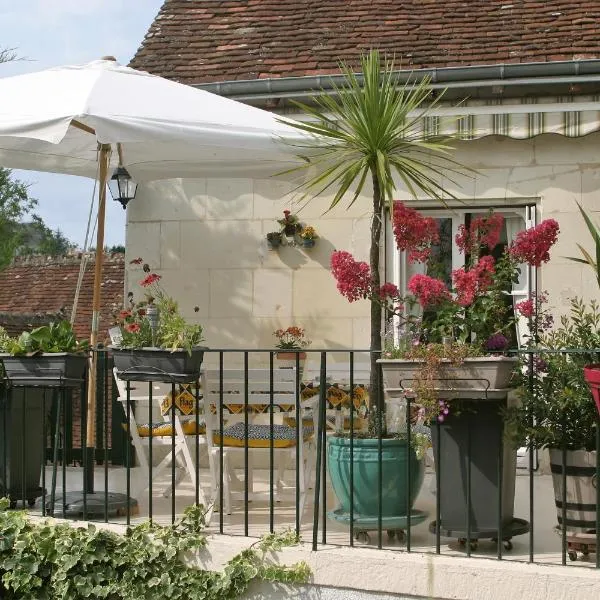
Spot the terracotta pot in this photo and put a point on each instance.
(290, 355)
(592, 377)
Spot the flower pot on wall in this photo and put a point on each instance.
(581, 488)
(158, 364)
(365, 492)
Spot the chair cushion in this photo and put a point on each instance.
(165, 430)
(259, 436)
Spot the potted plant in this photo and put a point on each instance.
(463, 385)
(274, 239)
(308, 235)
(363, 135)
(591, 371)
(290, 225)
(48, 356)
(156, 342)
(291, 342)
(556, 411)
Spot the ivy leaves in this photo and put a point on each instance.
(57, 561)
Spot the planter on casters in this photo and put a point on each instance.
(158, 364)
(469, 444)
(396, 502)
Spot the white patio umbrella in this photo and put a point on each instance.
(85, 120)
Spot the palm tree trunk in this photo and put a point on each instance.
(376, 393)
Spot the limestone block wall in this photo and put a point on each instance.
(206, 237)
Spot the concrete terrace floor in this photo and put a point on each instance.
(547, 543)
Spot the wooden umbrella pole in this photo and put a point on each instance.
(104, 159)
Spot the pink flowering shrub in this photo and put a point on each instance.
(413, 232)
(476, 308)
(532, 246)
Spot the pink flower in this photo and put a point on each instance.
(469, 284)
(532, 245)
(388, 290)
(428, 290)
(526, 308)
(150, 279)
(132, 327)
(483, 231)
(413, 232)
(353, 278)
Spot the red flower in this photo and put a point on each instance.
(428, 290)
(469, 284)
(414, 233)
(132, 327)
(124, 314)
(150, 279)
(141, 312)
(526, 308)
(136, 261)
(388, 290)
(353, 278)
(532, 245)
(483, 231)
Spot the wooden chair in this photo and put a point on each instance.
(161, 426)
(252, 389)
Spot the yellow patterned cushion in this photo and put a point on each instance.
(165, 429)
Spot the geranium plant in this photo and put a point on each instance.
(292, 338)
(171, 330)
(290, 224)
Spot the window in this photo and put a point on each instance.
(446, 256)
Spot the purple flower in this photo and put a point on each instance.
(496, 343)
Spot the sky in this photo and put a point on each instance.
(50, 33)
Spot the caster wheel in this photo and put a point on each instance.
(391, 534)
(585, 551)
(363, 537)
(401, 535)
(508, 545)
(572, 555)
(462, 542)
(474, 546)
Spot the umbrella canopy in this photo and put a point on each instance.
(53, 120)
(86, 120)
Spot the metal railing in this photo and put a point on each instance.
(39, 472)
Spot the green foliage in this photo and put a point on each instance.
(557, 408)
(55, 337)
(15, 204)
(37, 238)
(588, 259)
(57, 561)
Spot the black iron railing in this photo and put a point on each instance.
(42, 469)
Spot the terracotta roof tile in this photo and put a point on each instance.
(196, 41)
(36, 289)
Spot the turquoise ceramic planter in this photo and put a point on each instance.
(366, 487)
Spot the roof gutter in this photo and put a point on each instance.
(513, 74)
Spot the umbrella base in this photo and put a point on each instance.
(97, 505)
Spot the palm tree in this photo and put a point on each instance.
(371, 127)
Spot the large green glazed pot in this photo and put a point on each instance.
(394, 461)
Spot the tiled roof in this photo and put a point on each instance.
(34, 290)
(197, 41)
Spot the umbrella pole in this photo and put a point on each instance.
(104, 159)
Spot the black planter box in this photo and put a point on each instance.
(21, 457)
(60, 369)
(158, 364)
(475, 436)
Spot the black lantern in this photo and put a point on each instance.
(122, 187)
